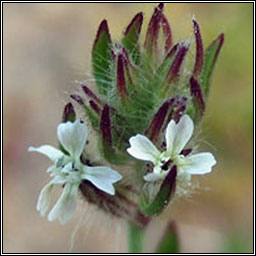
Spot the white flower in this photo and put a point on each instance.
(176, 136)
(70, 171)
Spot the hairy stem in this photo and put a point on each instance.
(135, 236)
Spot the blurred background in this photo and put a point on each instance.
(47, 50)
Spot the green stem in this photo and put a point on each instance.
(135, 235)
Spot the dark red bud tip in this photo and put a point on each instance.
(69, 113)
(105, 126)
(183, 99)
(170, 183)
(103, 28)
(121, 82)
(136, 22)
(221, 41)
(197, 94)
(221, 38)
(167, 33)
(153, 29)
(176, 65)
(95, 107)
(172, 51)
(77, 98)
(160, 7)
(90, 94)
(199, 61)
(178, 113)
(157, 123)
(186, 152)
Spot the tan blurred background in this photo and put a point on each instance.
(46, 49)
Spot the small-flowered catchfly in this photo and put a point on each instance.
(69, 171)
(177, 136)
(152, 86)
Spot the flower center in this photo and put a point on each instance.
(165, 166)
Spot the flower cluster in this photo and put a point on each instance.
(69, 171)
(176, 136)
(146, 107)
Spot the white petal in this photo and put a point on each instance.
(102, 177)
(151, 177)
(44, 199)
(67, 168)
(177, 135)
(72, 137)
(142, 148)
(65, 207)
(200, 163)
(49, 151)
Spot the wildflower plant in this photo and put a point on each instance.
(149, 100)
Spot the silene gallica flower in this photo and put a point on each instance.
(177, 136)
(69, 171)
(148, 93)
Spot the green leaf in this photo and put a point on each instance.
(210, 58)
(163, 196)
(106, 142)
(163, 69)
(170, 242)
(131, 37)
(102, 58)
(93, 118)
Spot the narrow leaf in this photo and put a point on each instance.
(153, 29)
(93, 117)
(170, 241)
(107, 140)
(210, 57)
(199, 61)
(177, 62)
(197, 96)
(167, 33)
(131, 37)
(88, 92)
(121, 81)
(95, 107)
(102, 58)
(163, 69)
(157, 123)
(105, 127)
(77, 98)
(164, 195)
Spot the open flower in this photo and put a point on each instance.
(177, 136)
(69, 171)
